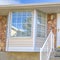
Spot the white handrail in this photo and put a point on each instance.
(46, 40)
(47, 47)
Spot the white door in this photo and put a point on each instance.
(58, 30)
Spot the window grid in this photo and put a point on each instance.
(41, 24)
(21, 24)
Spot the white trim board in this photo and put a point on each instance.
(21, 49)
(58, 30)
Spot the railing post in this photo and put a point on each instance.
(47, 49)
(40, 53)
(51, 40)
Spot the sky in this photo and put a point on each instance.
(3, 2)
(39, 1)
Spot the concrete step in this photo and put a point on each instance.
(55, 55)
(57, 49)
(57, 52)
(57, 58)
(19, 56)
(52, 56)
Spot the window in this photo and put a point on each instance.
(41, 25)
(21, 24)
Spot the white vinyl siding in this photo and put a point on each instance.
(20, 42)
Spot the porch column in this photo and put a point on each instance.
(34, 27)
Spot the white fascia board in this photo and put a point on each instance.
(30, 5)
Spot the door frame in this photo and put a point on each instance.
(58, 29)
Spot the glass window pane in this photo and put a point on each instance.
(28, 20)
(19, 26)
(28, 27)
(28, 32)
(23, 19)
(24, 13)
(14, 24)
(24, 26)
(19, 20)
(18, 33)
(14, 19)
(29, 14)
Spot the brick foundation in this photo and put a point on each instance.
(20, 56)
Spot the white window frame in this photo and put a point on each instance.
(8, 31)
(11, 24)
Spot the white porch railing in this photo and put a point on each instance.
(45, 51)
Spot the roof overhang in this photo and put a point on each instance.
(44, 7)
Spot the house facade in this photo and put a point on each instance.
(24, 28)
